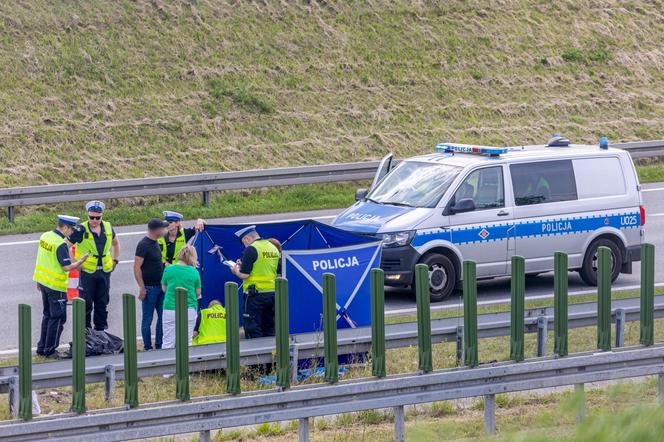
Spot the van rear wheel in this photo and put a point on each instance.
(588, 271)
(442, 276)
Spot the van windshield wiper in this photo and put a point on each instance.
(366, 198)
(398, 204)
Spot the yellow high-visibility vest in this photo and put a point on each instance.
(88, 245)
(48, 271)
(179, 243)
(213, 326)
(264, 271)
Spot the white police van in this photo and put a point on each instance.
(488, 204)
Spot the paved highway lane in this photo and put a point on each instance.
(17, 255)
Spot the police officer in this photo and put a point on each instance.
(98, 240)
(258, 269)
(210, 325)
(176, 236)
(51, 273)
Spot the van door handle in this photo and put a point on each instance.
(503, 213)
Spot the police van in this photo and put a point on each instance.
(487, 204)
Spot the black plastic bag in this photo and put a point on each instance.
(99, 342)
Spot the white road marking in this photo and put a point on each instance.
(654, 214)
(35, 241)
(656, 189)
(459, 305)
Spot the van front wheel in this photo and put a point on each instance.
(588, 271)
(442, 276)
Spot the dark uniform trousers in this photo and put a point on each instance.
(53, 320)
(94, 289)
(259, 315)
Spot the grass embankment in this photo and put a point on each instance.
(98, 89)
(95, 90)
(462, 419)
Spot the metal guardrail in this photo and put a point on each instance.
(642, 149)
(169, 185)
(310, 345)
(208, 182)
(304, 402)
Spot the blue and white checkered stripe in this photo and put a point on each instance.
(529, 229)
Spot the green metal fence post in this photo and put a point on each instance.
(130, 350)
(24, 363)
(378, 323)
(470, 313)
(330, 328)
(647, 294)
(78, 356)
(518, 299)
(604, 298)
(181, 346)
(560, 304)
(232, 338)
(281, 332)
(423, 318)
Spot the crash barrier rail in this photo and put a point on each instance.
(208, 182)
(306, 346)
(164, 419)
(303, 402)
(172, 185)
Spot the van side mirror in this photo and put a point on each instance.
(360, 194)
(463, 205)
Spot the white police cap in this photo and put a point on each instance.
(95, 206)
(245, 231)
(172, 216)
(68, 220)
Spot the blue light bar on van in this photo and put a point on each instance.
(467, 148)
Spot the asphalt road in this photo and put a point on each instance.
(17, 255)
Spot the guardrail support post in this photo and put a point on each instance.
(560, 304)
(11, 214)
(282, 335)
(303, 429)
(647, 294)
(399, 424)
(604, 299)
(425, 364)
(14, 397)
(470, 313)
(206, 198)
(130, 351)
(490, 414)
(459, 345)
(181, 346)
(232, 338)
(581, 399)
(542, 326)
(660, 388)
(518, 288)
(78, 356)
(378, 323)
(109, 383)
(204, 436)
(24, 364)
(295, 357)
(620, 327)
(330, 328)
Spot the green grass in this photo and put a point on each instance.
(650, 171)
(97, 89)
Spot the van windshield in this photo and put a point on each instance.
(414, 184)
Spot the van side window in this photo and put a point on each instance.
(485, 187)
(543, 182)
